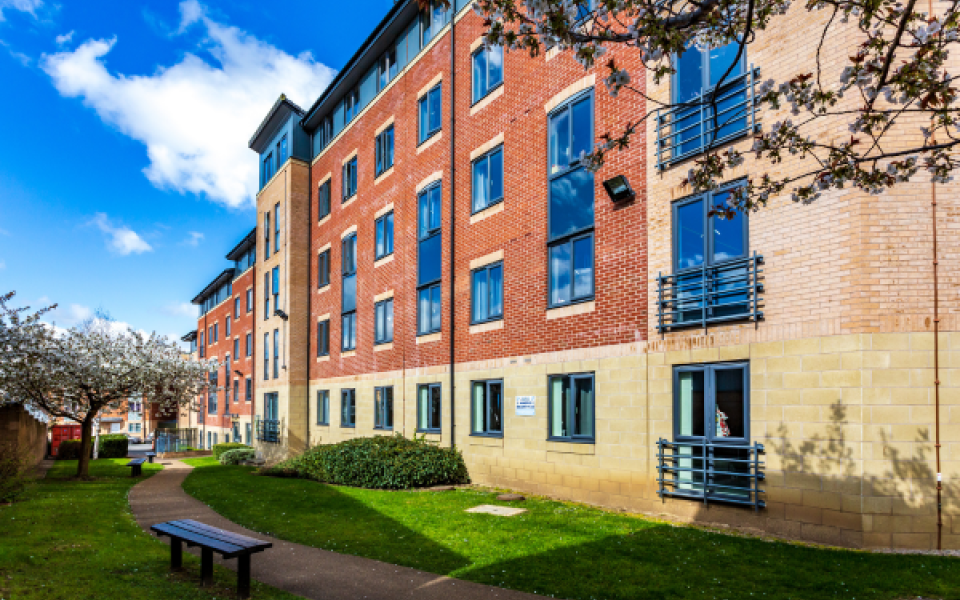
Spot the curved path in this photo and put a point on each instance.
(308, 572)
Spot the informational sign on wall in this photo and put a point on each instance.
(526, 406)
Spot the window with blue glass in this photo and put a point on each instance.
(236, 308)
(384, 227)
(266, 235)
(323, 407)
(351, 105)
(429, 407)
(570, 217)
(266, 296)
(383, 322)
(227, 325)
(348, 408)
(432, 20)
(212, 400)
(386, 68)
(275, 277)
(276, 353)
(323, 200)
(323, 338)
(236, 347)
(431, 113)
(708, 113)
(350, 179)
(487, 71)
(487, 292)
(323, 269)
(383, 407)
(383, 149)
(248, 392)
(488, 179)
(266, 356)
(276, 227)
(268, 168)
(282, 152)
(349, 293)
(429, 260)
(248, 349)
(571, 407)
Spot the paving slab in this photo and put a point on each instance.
(302, 570)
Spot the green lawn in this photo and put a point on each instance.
(75, 540)
(566, 550)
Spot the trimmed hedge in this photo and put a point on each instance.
(219, 449)
(380, 462)
(113, 445)
(235, 457)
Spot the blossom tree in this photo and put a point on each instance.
(77, 373)
(897, 80)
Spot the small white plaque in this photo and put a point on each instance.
(499, 511)
(526, 406)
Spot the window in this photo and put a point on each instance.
(212, 400)
(323, 407)
(348, 408)
(350, 179)
(383, 408)
(282, 151)
(432, 20)
(226, 386)
(431, 112)
(487, 408)
(698, 73)
(236, 348)
(236, 308)
(250, 300)
(248, 433)
(323, 269)
(276, 227)
(236, 390)
(487, 71)
(351, 105)
(487, 293)
(227, 328)
(323, 200)
(266, 235)
(349, 293)
(386, 68)
(200, 346)
(249, 345)
(276, 353)
(384, 227)
(210, 339)
(248, 393)
(216, 332)
(383, 146)
(268, 168)
(488, 180)
(275, 277)
(571, 203)
(266, 296)
(323, 338)
(429, 261)
(383, 322)
(571, 408)
(428, 408)
(266, 356)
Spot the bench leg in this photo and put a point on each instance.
(243, 576)
(176, 555)
(206, 567)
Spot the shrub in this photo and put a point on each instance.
(219, 449)
(235, 457)
(70, 450)
(380, 462)
(14, 471)
(113, 445)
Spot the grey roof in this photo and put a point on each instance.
(278, 114)
(221, 279)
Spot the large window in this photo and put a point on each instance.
(571, 408)
(429, 261)
(487, 71)
(386, 68)
(323, 338)
(323, 269)
(348, 408)
(276, 353)
(383, 322)
(323, 200)
(486, 415)
(349, 179)
(384, 151)
(571, 203)
(431, 113)
(488, 179)
(351, 105)
(323, 407)
(383, 407)
(432, 20)
(487, 292)
(384, 226)
(428, 407)
(349, 293)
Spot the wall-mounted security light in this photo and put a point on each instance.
(618, 188)
(238, 372)
(281, 314)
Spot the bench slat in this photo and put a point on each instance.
(136, 461)
(227, 549)
(221, 534)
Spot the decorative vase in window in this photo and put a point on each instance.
(723, 430)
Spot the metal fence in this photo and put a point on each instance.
(711, 472)
(176, 440)
(268, 430)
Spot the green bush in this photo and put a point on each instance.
(70, 450)
(219, 449)
(14, 471)
(113, 445)
(380, 462)
(235, 457)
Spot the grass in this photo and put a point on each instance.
(68, 539)
(564, 550)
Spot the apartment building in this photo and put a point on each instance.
(434, 260)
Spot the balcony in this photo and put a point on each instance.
(268, 430)
(686, 130)
(708, 295)
(711, 472)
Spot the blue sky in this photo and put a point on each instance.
(124, 172)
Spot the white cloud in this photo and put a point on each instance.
(195, 117)
(65, 38)
(194, 239)
(27, 6)
(180, 309)
(70, 315)
(122, 239)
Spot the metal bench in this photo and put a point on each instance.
(210, 540)
(136, 467)
(150, 456)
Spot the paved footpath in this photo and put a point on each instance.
(308, 572)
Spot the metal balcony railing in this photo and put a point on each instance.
(711, 472)
(711, 294)
(687, 129)
(268, 430)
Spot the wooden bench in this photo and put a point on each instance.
(136, 467)
(210, 540)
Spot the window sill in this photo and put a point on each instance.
(571, 310)
(433, 139)
(323, 358)
(383, 175)
(572, 446)
(432, 337)
(325, 288)
(486, 213)
(348, 427)
(435, 432)
(383, 429)
(383, 347)
(488, 440)
(484, 327)
(324, 219)
(348, 201)
(323, 424)
(348, 354)
(486, 100)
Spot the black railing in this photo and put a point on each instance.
(268, 430)
(688, 128)
(711, 294)
(711, 472)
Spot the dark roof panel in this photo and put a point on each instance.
(221, 279)
(245, 244)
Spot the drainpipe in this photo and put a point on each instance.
(309, 276)
(936, 362)
(453, 219)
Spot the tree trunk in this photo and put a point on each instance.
(83, 465)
